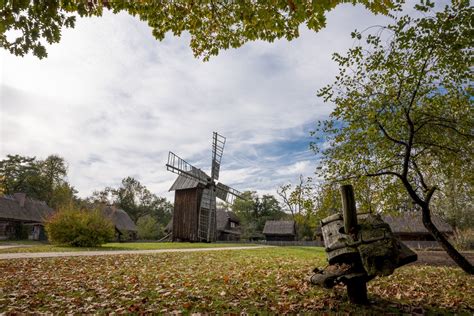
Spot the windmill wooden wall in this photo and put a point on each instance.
(186, 214)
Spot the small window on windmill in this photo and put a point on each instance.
(232, 224)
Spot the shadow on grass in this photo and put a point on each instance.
(380, 305)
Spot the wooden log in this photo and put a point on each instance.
(349, 209)
(356, 287)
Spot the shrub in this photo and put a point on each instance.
(149, 228)
(464, 239)
(79, 228)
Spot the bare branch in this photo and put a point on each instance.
(429, 194)
(420, 175)
(444, 147)
(454, 129)
(390, 137)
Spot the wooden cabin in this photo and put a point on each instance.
(191, 202)
(22, 217)
(228, 226)
(408, 226)
(125, 228)
(280, 231)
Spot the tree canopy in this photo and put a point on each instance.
(403, 110)
(254, 210)
(41, 179)
(212, 24)
(135, 199)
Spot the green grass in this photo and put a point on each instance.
(261, 280)
(35, 246)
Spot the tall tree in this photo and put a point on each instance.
(404, 109)
(254, 211)
(300, 200)
(41, 179)
(212, 24)
(135, 199)
(16, 173)
(53, 171)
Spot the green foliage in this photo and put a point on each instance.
(44, 180)
(213, 25)
(79, 228)
(253, 211)
(309, 202)
(455, 199)
(17, 172)
(403, 116)
(135, 199)
(149, 228)
(464, 238)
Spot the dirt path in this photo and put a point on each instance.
(21, 255)
(439, 258)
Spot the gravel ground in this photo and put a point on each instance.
(4, 256)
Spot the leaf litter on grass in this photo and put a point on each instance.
(259, 280)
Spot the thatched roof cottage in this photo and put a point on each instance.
(280, 230)
(228, 225)
(22, 217)
(125, 228)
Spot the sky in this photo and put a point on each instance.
(113, 101)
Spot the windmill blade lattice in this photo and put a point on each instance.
(182, 167)
(226, 193)
(218, 143)
(207, 216)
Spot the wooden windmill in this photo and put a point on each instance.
(194, 216)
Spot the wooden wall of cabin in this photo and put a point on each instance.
(280, 237)
(186, 214)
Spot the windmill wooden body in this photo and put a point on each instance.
(194, 215)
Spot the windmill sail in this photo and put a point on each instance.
(207, 216)
(180, 166)
(218, 142)
(226, 193)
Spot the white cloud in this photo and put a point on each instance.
(112, 100)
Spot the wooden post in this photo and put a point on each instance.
(357, 291)
(356, 287)
(349, 211)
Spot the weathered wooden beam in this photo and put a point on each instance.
(349, 211)
(356, 287)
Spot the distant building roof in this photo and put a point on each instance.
(223, 217)
(22, 208)
(119, 218)
(411, 222)
(281, 228)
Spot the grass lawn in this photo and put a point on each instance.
(35, 246)
(258, 280)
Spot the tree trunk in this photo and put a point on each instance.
(460, 260)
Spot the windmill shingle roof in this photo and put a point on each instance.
(279, 228)
(186, 182)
